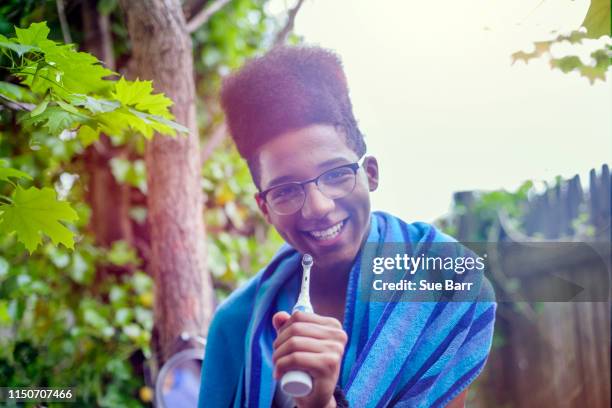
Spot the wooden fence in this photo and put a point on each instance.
(551, 354)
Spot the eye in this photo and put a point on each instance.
(285, 192)
(339, 175)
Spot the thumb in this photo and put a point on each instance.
(279, 319)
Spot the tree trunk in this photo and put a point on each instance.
(162, 52)
(101, 183)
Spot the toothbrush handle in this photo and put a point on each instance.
(297, 383)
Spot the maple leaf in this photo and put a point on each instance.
(597, 19)
(56, 119)
(34, 212)
(138, 94)
(79, 72)
(566, 64)
(592, 73)
(20, 49)
(522, 55)
(64, 69)
(94, 105)
(115, 123)
(33, 35)
(160, 124)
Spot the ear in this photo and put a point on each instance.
(371, 168)
(263, 207)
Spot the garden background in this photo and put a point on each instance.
(126, 214)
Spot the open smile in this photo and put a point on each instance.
(328, 234)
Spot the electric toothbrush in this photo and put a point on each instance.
(298, 383)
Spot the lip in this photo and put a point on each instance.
(324, 228)
(329, 242)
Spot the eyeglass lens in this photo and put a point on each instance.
(289, 198)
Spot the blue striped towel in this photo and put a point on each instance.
(400, 354)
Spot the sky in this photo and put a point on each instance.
(441, 104)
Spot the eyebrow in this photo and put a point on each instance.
(327, 164)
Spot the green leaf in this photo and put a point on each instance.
(56, 120)
(5, 317)
(142, 282)
(40, 108)
(139, 94)
(7, 172)
(153, 122)
(160, 124)
(87, 135)
(597, 19)
(65, 71)
(67, 107)
(121, 253)
(94, 105)
(35, 212)
(15, 93)
(80, 72)
(20, 49)
(93, 318)
(567, 64)
(33, 35)
(116, 123)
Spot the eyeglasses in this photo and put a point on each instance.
(289, 198)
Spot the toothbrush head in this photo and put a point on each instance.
(307, 261)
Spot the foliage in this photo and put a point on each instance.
(239, 240)
(485, 210)
(64, 319)
(69, 91)
(60, 326)
(83, 318)
(596, 25)
(34, 210)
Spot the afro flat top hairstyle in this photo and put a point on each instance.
(286, 89)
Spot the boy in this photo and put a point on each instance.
(290, 115)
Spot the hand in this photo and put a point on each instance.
(310, 343)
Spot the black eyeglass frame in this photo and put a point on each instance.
(353, 166)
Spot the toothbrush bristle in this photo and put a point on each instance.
(307, 260)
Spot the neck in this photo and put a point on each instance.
(329, 279)
(328, 291)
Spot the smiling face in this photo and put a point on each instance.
(332, 231)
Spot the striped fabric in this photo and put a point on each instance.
(400, 354)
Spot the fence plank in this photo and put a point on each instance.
(561, 359)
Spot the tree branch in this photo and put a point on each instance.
(282, 35)
(217, 137)
(190, 7)
(61, 13)
(204, 15)
(15, 105)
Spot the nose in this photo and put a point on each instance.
(316, 204)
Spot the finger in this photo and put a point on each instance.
(279, 319)
(307, 344)
(315, 318)
(318, 365)
(312, 330)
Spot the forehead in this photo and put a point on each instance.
(302, 154)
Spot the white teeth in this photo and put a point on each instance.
(329, 233)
